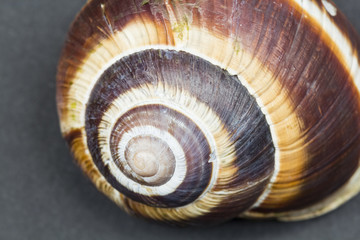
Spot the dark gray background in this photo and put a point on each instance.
(43, 193)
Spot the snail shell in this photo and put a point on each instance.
(197, 112)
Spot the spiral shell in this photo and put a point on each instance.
(197, 112)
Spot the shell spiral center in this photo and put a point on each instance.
(167, 128)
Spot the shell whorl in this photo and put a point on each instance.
(162, 100)
(197, 111)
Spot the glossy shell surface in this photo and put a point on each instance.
(195, 112)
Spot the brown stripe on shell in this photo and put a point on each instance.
(347, 30)
(339, 20)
